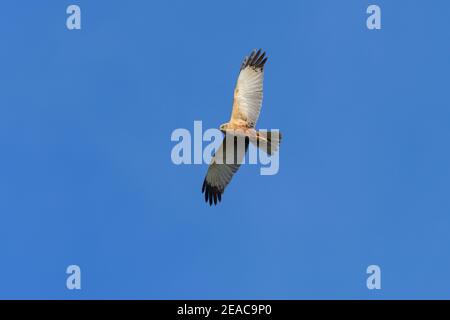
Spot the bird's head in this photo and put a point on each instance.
(223, 127)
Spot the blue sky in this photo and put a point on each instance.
(86, 175)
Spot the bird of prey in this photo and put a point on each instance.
(248, 96)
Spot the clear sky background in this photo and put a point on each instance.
(86, 176)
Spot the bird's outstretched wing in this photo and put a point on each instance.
(223, 166)
(248, 93)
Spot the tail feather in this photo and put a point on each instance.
(268, 141)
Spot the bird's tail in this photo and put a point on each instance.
(268, 141)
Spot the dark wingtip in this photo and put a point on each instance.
(212, 194)
(255, 60)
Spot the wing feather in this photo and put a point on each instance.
(222, 168)
(248, 93)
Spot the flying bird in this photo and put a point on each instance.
(248, 95)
